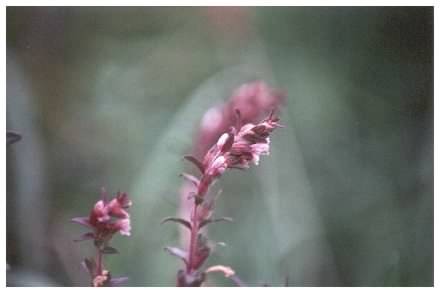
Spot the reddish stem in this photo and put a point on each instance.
(193, 239)
(99, 265)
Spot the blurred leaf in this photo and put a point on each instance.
(183, 255)
(82, 221)
(12, 137)
(209, 221)
(109, 250)
(89, 265)
(118, 281)
(191, 179)
(86, 236)
(177, 220)
(196, 163)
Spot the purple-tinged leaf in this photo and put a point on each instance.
(118, 281)
(238, 168)
(208, 221)
(196, 162)
(89, 265)
(191, 179)
(82, 221)
(238, 281)
(86, 236)
(183, 255)
(177, 220)
(12, 137)
(109, 250)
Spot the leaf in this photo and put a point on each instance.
(89, 265)
(86, 236)
(238, 281)
(82, 221)
(196, 162)
(118, 281)
(177, 220)
(109, 250)
(208, 221)
(191, 179)
(183, 255)
(12, 137)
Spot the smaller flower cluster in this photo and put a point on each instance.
(106, 219)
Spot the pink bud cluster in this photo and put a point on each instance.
(237, 150)
(254, 99)
(105, 219)
(108, 218)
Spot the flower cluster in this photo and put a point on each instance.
(237, 150)
(106, 219)
(255, 100)
(234, 149)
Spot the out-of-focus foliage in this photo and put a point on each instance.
(112, 97)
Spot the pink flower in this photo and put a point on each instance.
(236, 150)
(124, 226)
(251, 142)
(107, 218)
(254, 100)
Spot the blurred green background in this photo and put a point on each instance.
(113, 96)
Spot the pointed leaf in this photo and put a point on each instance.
(12, 137)
(82, 221)
(109, 250)
(196, 162)
(89, 265)
(237, 167)
(118, 281)
(191, 179)
(177, 220)
(183, 255)
(86, 236)
(238, 281)
(208, 221)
